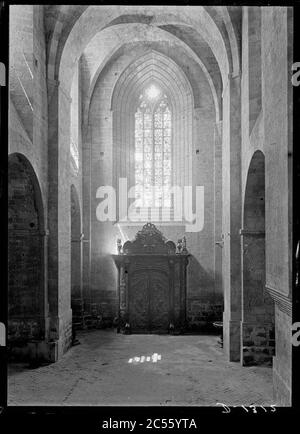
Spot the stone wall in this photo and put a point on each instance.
(276, 90)
(34, 146)
(258, 344)
(256, 103)
(28, 183)
(201, 271)
(267, 35)
(282, 362)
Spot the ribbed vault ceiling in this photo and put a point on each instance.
(206, 38)
(152, 68)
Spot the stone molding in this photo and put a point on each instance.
(283, 302)
(56, 83)
(246, 232)
(78, 239)
(31, 232)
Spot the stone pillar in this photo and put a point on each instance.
(231, 217)
(86, 273)
(218, 209)
(86, 214)
(76, 259)
(254, 65)
(46, 349)
(59, 263)
(45, 236)
(76, 282)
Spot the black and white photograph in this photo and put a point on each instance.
(152, 247)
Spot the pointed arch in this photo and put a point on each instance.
(27, 296)
(152, 68)
(257, 305)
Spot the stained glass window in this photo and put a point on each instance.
(153, 157)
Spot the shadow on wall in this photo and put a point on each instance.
(104, 288)
(26, 320)
(204, 304)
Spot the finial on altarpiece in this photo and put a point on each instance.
(184, 249)
(119, 246)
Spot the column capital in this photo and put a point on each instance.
(52, 83)
(232, 76)
(45, 233)
(78, 239)
(246, 232)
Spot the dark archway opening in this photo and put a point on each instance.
(26, 289)
(258, 316)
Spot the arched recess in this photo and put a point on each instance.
(108, 44)
(66, 48)
(153, 68)
(257, 328)
(94, 19)
(76, 261)
(26, 290)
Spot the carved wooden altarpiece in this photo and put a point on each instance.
(151, 284)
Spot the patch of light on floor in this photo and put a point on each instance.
(154, 358)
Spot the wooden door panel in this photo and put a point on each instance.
(139, 302)
(159, 301)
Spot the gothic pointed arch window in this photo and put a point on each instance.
(153, 148)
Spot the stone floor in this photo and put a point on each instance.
(190, 370)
